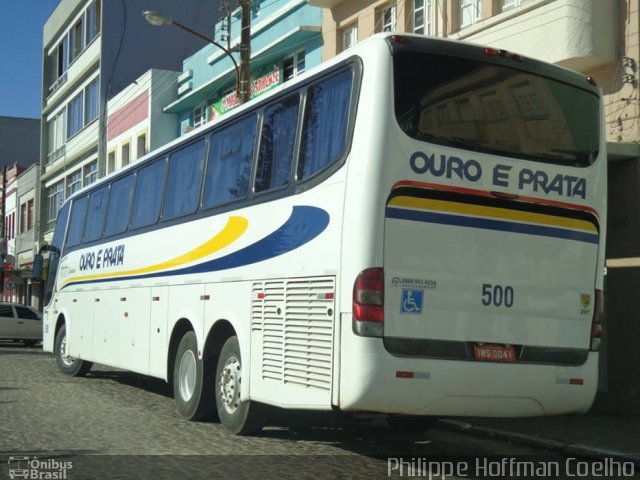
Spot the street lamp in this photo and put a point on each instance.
(157, 20)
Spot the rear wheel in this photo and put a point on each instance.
(192, 381)
(239, 417)
(67, 364)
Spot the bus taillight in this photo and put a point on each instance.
(596, 324)
(368, 297)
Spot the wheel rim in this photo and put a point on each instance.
(66, 359)
(229, 387)
(187, 375)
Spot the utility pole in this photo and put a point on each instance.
(245, 52)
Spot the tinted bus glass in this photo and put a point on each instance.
(489, 108)
(229, 164)
(277, 143)
(76, 225)
(146, 205)
(54, 255)
(324, 129)
(119, 205)
(95, 216)
(183, 181)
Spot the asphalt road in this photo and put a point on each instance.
(117, 424)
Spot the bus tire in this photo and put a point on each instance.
(238, 417)
(73, 367)
(410, 424)
(192, 382)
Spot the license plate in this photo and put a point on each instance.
(494, 353)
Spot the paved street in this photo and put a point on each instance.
(113, 412)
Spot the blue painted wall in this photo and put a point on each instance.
(271, 22)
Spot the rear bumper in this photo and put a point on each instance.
(374, 380)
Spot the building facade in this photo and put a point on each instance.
(136, 123)
(286, 40)
(26, 289)
(92, 49)
(599, 39)
(9, 203)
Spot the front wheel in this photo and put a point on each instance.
(239, 417)
(68, 365)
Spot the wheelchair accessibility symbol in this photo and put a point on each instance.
(412, 301)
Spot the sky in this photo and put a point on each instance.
(21, 23)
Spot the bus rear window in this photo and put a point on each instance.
(489, 108)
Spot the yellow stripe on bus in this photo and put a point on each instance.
(234, 228)
(495, 212)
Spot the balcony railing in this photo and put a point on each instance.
(57, 84)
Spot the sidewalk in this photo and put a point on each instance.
(593, 434)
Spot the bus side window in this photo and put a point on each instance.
(95, 215)
(183, 181)
(324, 129)
(146, 203)
(119, 205)
(277, 142)
(76, 225)
(229, 163)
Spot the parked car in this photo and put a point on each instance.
(20, 323)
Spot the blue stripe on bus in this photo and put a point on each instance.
(304, 224)
(489, 224)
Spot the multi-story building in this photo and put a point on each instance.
(19, 148)
(285, 40)
(9, 200)
(136, 123)
(26, 289)
(92, 49)
(599, 39)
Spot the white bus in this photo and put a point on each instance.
(415, 228)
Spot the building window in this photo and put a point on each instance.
(386, 19)
(57, 133)
(74, 182)
(30, 214)
(422, 17)
(74, 115)
(199, 116)
(111, 161)
(141, 145)
(91, 104)
(349, 36)
(124, 154)
(62, 59)
(293, 65)
(76, 40)
(469, 12)
(90, 173)
(93, 21)
(23, 218)
(55, 195)
(508, 4)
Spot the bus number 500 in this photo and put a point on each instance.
(497, 295)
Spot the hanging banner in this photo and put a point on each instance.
(259, 86)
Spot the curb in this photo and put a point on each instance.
(536, 442)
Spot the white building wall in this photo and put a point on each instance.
(554, 32)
